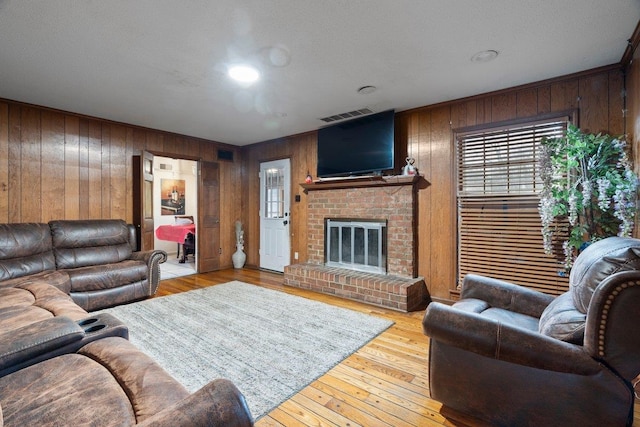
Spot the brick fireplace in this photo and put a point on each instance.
(393, 199)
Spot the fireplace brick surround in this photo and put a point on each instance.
(390, 198)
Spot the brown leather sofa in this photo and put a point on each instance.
(109, 382)
(94, 261)
(59, 364)
(511, 356)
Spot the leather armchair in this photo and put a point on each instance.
(507, 355)
(109, 382)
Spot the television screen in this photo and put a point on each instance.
(357, 147)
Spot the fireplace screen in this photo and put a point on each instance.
(356, 244)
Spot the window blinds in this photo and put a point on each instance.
(499, 228)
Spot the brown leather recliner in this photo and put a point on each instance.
(109, 382)
(511, 356)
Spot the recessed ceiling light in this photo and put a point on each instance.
(484, 56)
(244, 74)
(365, 90)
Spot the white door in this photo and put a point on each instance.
(275, 191)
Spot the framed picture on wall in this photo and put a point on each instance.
(172, 199)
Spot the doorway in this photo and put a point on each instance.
(175, 206)
(201, 200)
(275, 194)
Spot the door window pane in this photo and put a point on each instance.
(274, 193)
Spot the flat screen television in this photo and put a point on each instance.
(357, 147)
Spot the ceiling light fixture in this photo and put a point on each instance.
(485, 56)
(244, 74)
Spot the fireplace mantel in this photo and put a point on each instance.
(361, 182)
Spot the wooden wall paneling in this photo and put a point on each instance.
(251, 201)
(138, 145)
(15, 165)
(442, 187)
(209, 152)
(527, 102)
(463, 114)
(298, 174)
(483, 110)
(106, 171)
(594, 97)
(616, 103)
(169, 144)
(154, 142)
(420, 133)
(53, 166)
(4, 162)
(230, 210)
(503, 106)
(117, 179)
(71, 168)
(544, 99)
(31, 162)
(564, 95)
(132, 145)
(254, 207)
(83, 168)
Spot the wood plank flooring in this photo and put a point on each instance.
(385, 383)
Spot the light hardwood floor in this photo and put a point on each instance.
(385, 383)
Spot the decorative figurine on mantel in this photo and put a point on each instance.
(239, 257)
(409, 169)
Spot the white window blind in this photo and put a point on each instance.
(499, 228)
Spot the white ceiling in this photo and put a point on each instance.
(162, 63)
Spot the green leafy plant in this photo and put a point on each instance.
(587, 182)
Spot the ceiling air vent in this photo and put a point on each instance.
(344, 116)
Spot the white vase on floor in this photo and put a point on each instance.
(238, 257)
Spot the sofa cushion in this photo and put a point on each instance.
(107, 276)
(149, 386)
(90, 242)
(561, 320)
(58, 279)
(64, 388)
(511, 318)
(25, 249)
(35, 302)
(599, 261)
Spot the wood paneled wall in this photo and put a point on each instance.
(428, 135)
(56, 165)
(61, 165)
(301, 149)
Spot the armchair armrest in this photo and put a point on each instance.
(153, 259)
(490, 338)
(505, 295)
(219, 403)
(25, 345)
(612, 320)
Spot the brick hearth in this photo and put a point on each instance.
(391, 198)
(398, 293)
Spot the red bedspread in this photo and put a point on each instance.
(175, 233)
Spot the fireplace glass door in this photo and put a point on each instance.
(356, 244)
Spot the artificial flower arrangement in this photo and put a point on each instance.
(587, 182)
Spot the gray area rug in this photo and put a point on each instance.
(269, 343)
